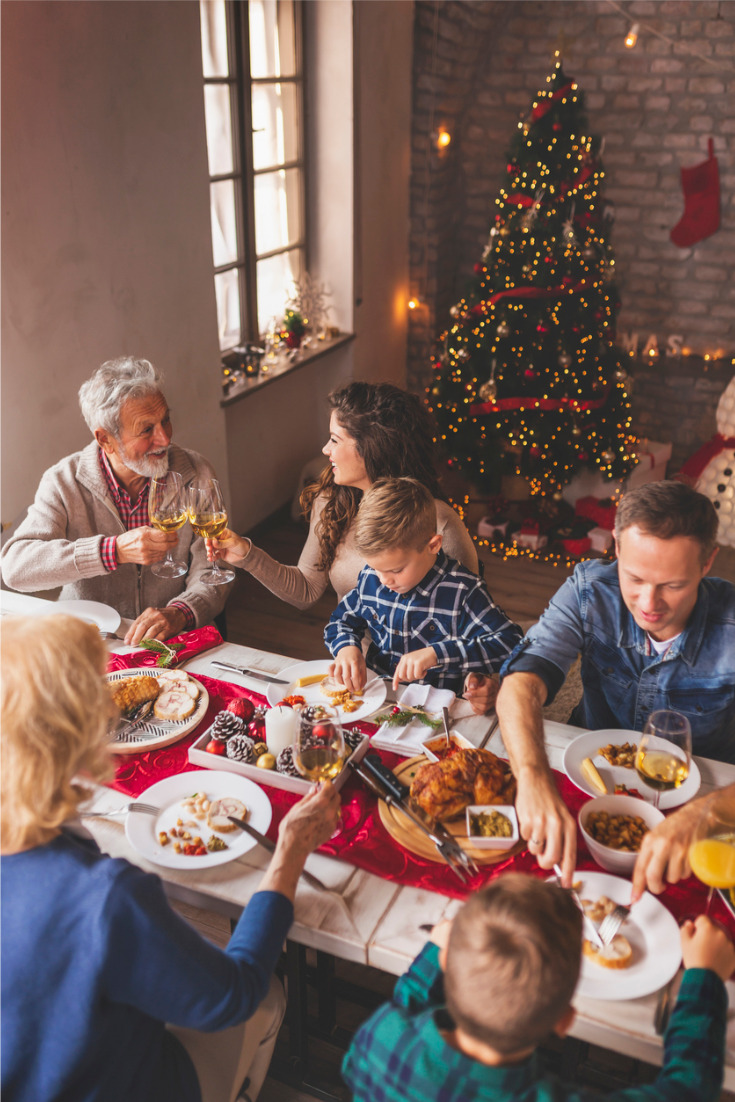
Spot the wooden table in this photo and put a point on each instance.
(365, 919)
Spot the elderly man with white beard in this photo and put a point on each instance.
(87, 530)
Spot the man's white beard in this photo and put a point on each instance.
(148, 466)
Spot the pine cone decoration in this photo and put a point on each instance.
(225, 725)
(285, 762)
(240, 748)
(352, 738)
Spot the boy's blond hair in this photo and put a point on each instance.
(56, 708)
(513, 962)
(395, 513)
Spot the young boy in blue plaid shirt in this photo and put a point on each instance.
(466, 1018)
(428, 617)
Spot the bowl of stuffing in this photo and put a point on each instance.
(613, 828)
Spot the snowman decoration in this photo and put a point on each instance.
(712, 468)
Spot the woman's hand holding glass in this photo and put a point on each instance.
(167, 512)
(208, 518)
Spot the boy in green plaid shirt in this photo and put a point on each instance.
(466, 1018)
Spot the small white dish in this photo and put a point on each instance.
(616, 860)
(435, 742)
(482, 841)
(94, 612)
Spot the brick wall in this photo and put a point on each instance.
(477, 66)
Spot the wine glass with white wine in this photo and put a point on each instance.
(319, 745)
(664, 752)
(167, 512)
(208, 518)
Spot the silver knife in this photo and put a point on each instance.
(270, 846)
(251, 673)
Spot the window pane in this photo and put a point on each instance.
(219, 128)
(275, 285)
(277, 210)
(275, 134)
(272, 44)
(224, 226)
(227, 290)
(214, 37)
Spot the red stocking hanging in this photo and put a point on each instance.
(701, 217)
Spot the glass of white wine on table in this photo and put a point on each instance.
(319, 746)
(712, 851)
(664, 752)
(208, 518)
(167, 512)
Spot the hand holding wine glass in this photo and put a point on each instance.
(664, 752)
(167, 512)
(208, 518)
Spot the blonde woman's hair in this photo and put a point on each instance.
(55, 712)
(395, 512)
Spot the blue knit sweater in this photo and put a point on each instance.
(94, 961)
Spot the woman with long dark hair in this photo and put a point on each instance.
(376, 431)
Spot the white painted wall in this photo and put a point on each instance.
(106, 239)
(106, 244)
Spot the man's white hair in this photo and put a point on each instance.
(102, 397)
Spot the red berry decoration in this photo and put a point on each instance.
(216, 746)
(244, 708)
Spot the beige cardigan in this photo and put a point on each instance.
(58, 544)
(303, 585)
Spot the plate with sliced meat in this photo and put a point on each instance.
(157, 707)
(192, 829)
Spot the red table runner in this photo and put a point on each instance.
(362, 840)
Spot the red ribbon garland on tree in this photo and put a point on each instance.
(545, 404)
(544, 107)
(535, 292)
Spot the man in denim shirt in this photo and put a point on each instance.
(653, 631)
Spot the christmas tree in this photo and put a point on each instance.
(527, 379)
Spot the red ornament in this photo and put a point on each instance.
(556, 126)
(535, 451)
(216, 746)
(584, 456)
(244, 708)
(541, 328)
(479, 268)
(530, 373)
(256, 729)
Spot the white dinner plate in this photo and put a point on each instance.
(94, 612)
(587, 746)
(142, 829)
(153, 733)
(372, 699)
(653, 933)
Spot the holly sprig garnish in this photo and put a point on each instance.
(401, 717)
(167, 652)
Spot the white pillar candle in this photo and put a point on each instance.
(281, 725)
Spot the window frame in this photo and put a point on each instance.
(243, 175)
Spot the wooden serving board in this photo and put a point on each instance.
(408, 835)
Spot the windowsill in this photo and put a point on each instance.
(283, 365)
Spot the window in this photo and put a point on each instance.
(253, 99)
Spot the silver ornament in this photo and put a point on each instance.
(565, 360)
(488, 392)
(608, 456)
(463, 355)
(503, 329)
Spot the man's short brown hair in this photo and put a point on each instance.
(395, 512)
(513, 962)
(666, 509)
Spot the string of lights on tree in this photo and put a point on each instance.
(527, 379)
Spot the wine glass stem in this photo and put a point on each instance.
(656, 797)
(710, 893)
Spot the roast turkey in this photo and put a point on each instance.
(443, 789)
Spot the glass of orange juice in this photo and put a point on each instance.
(712, 850)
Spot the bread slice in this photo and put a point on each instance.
(219, 810)
(332, 684)
(618, 954)
(174, 705)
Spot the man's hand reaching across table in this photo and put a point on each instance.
(545, 822)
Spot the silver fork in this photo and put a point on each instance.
(612, 922)
(146, 809)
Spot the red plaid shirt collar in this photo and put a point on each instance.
(132, 516)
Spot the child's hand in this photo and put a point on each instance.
(350, 669)
(440, 934)
(706, 945)
(414, 665)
